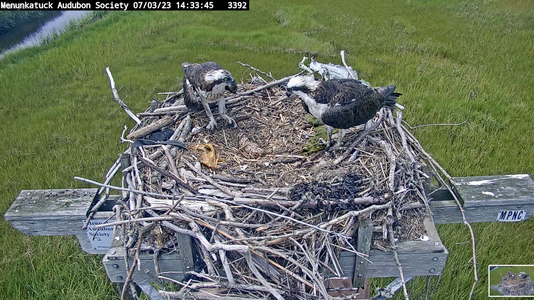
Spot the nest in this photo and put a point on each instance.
(269, 210)
(514, 284)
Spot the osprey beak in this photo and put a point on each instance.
(289, 92)
(231, 86)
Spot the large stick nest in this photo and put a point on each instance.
(269, 211)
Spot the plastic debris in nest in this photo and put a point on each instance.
(330, 70)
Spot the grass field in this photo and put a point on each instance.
(59, 120)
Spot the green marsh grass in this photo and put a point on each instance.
(59, 120)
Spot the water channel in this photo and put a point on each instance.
(32, 32)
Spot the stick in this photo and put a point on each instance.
(396, 256)
(215, 184)
(170, 109)
(254, 69)
(118, 99)
(435, 166)
(403, 136)
(270, 84)
(345, 64)
(170, 175)
(258, 275)
(392, 163)
(150, 128)
(356, 213)
(454, 124)
(123, 189)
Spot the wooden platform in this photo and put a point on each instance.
(485, 199)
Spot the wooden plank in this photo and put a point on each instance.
(173, 265)
(418, 258)
(365, 235)
(484, 197)
(50, 212)
(517, 188)
(340, 287)
(50, 204)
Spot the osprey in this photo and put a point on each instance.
(204, 84)
(341, 103)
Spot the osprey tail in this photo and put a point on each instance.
(389, 95)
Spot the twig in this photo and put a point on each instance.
(170, 175)
(446, 124)
(436, 166)
(136, 220)
(215, 184)
(397, 261)
(346, 66)
(124, 189)
(254, 69)
(270, 84)
(118, 99)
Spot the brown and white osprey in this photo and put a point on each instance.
(204, 84)
(341, 103)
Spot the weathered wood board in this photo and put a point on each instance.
(172, 265)
(418, 258)
(485, 198)
(363, 242)
(53, 212)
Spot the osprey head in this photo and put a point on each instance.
(221, 76)
(304, 83)
(185, 65)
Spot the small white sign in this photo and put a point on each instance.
(100, 238)
(511, 215)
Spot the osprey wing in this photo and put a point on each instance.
(352, 104)
(193, 73)
(191, 100)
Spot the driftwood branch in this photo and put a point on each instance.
(270, 84)
(438, 170)
(118, 99)
(158, 124)
(349, 71)
(256, 70)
